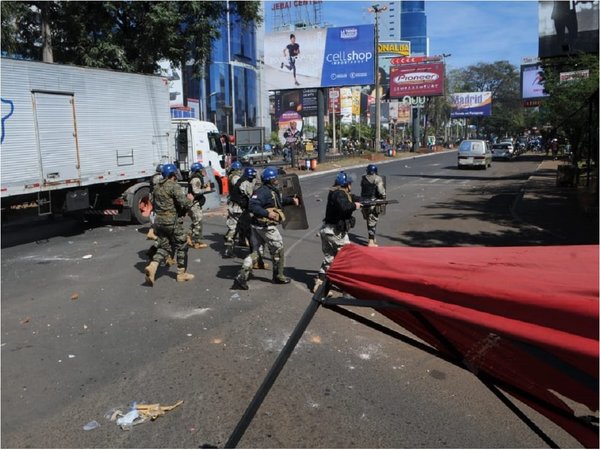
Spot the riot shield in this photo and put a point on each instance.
(295, 216)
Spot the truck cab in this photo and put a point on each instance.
(198, 141)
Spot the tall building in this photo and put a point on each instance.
(405, 21)
(230, 93)
(414, 26)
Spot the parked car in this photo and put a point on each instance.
(474, 153)
(503, 151)
(251, 154)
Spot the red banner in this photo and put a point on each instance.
(417, 80)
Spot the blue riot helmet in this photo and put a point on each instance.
(168, 170)
(342, 179)
(250, 173)
(269, 174)
(236, 165)
(159, 168)
(371, 168)
(196, 167)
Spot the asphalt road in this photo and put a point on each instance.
(82, 334)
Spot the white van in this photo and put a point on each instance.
(474, 153)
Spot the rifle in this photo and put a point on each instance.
(368, 203)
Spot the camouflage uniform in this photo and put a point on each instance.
(197, 187)
(171, 204)
(234, 211)
(372, 188)
(265, 233)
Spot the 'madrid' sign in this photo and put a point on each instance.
(417, 80)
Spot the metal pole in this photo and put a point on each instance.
(377, 9)
(269, 380)
(321, 124)
(377, 94)
(231, 73)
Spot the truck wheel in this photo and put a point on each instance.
(141, 206)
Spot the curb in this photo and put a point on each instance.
(358, 166)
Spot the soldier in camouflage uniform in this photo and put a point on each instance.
(234, 210)
(171, 205)
(338, 221)
(372, 188)
(197, 187)
(266, 206)
(156, 178)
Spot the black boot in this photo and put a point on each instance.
(281, 280)
(240, 283)
(228, 253)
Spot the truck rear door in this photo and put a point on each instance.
(57, 137)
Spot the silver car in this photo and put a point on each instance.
(474, 153)
(502, 151)
(252, 154)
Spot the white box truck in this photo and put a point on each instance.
(88, 140)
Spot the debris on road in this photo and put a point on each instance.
(91, 425)
(139, 413)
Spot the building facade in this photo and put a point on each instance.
(230, 94)
(405, 21)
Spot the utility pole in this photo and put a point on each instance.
(377, 9)
(231, 70)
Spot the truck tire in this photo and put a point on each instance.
(141, 206)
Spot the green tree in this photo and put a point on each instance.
(501, 79)
(129, 35)
(571, 109)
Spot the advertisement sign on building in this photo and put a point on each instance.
(532, 82)
(346, 105)
(468, 104)
(322, 57)
(302, 101)
(290, 127)
(356, 91)
(577, 74)
(417, 80)
(567, 27)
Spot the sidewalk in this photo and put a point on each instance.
(567, 213)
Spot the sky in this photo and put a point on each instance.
(470, 31)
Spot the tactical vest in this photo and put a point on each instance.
(263, 221)
(368, 188)
(237, 196)
(333, 213)
(199, 197)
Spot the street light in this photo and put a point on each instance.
(377, 9)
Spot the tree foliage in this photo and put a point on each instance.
(571, 109)
(128, 35)
(501, 79)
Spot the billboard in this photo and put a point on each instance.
(532, 82)
(469, 104)
(290, 127)
(417, 80)
(321, 57)
(303, 101)
(567, 27)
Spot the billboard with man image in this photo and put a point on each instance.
(322, 57)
